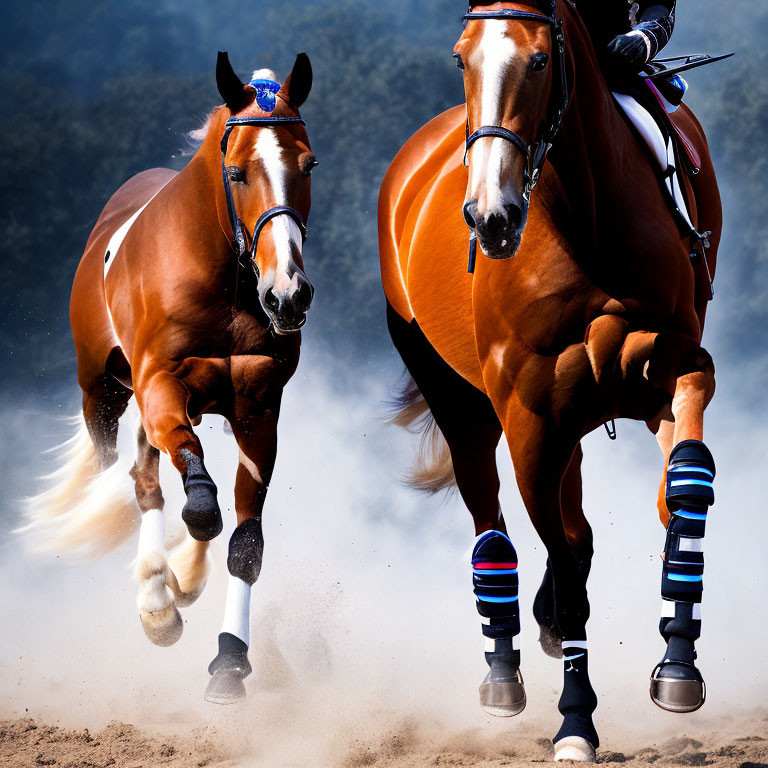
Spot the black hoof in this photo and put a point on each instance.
(503, 697)
(677, 688)
(225, 687)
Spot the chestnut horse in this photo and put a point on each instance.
(190, 296)
(599, 315)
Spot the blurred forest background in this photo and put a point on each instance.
(93, 92)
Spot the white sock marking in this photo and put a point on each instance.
(152, 532)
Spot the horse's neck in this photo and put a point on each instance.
(203, 195)
(586, 153)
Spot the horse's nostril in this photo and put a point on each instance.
(514, 215)
(470, 213)
(304, 295)
(270, 300)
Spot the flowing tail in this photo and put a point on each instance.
(83, 510)
(433, 469)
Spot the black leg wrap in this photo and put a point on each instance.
(578, 700)
(246, 548)
(201, 512)
(494, 575)
(228, 670)
(676, 683)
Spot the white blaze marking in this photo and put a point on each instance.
(284, 229)
(495, 52)
(237, 609)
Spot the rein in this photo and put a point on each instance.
(535, 152)
(238, 228)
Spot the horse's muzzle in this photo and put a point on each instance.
(499, 231)
(288, 309)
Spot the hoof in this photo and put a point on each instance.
(225, 687)
(551, 643)
(503, 698)
(162, 627)
(674, 692)
(575, 748)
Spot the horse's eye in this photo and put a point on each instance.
(235, 173)
(308, 165)
(459, 60)
(539, 61)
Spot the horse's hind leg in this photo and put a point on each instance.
(157, 610)
(104, 402)
(472, 431)
(255, 429)
(579, 535)
(676, 683)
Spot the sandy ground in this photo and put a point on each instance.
(28, 742)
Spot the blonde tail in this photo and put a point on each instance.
(82, 510)
(432, 471)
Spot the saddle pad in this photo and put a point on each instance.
(663, 149)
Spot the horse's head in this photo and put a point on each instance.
(267, 161)
(506, 54)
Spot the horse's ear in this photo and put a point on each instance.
(231, 88)
(298, 84)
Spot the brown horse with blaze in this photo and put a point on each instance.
(588, 308)
(190, 296)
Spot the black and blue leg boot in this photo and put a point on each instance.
(201, 511)
(676, 683)
(494, 575)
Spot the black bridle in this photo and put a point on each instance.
(238, 228)
(536, 152)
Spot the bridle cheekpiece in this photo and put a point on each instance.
(238, 228)
(536, 152)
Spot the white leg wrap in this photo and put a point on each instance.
(237, 609)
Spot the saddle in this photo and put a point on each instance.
(650, 102)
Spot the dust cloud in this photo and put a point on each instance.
(366, 645)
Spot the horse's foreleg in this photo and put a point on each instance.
(164, 399)
(541, 457)
(472, 431)
(257, 438)
(676, 683)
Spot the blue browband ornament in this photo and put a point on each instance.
(266, 93)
